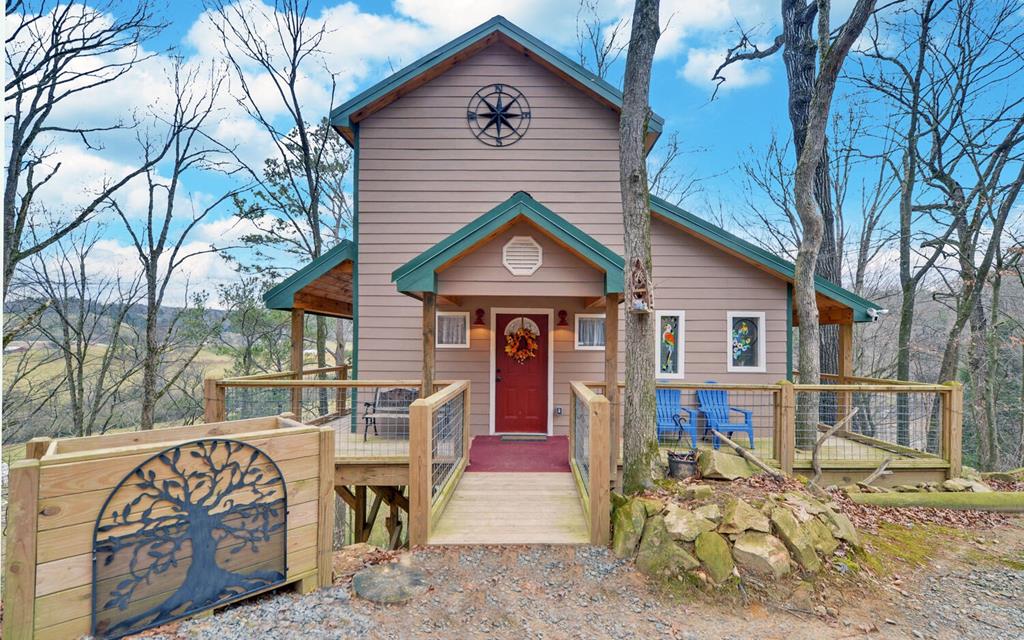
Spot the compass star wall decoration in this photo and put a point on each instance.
(498, 115)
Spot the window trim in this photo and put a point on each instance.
(762, 365)
(658, 315)
(576, 332)
(437, 334)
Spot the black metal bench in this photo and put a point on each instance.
(389, 405)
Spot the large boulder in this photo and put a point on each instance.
(713, 551)
(740, 516)
(709, 512)
(719, 465)
(821, 537)
(695, 491)
(796, 538)
(956, 484)
(804, 504)
(652, 506)
(659, 555)
(761, 553)
(978, 486)
(685, 525)
(841, 527)
(628, 524)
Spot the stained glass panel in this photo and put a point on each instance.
(669, 345)
(745, 336)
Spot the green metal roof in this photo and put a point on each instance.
(420, 273)
(762, 257)
(340, 116)
(282, 296)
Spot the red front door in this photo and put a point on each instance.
(521, 390)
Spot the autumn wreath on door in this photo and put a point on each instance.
(521, 339)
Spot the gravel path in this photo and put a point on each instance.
(969, 604)
(584, 592)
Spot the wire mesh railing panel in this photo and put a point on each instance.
(368, 421)
(687, 417)
(581, 438)
(446, 441)
(886, 424)
(241, 403)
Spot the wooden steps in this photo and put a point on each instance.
(513, 508)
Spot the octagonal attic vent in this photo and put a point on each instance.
(522, 256)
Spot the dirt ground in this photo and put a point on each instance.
(956, 586)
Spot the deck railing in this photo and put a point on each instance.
(917, 425)
(438, 453)
(370, 417)
(589, 444)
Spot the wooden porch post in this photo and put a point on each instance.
(429, 330)
(845, 367)
(611, 382)
(298, 330)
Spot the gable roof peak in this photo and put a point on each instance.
(497, 29)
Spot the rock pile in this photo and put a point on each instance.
(701, 539)
(953, 485)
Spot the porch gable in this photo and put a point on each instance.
(419, 275)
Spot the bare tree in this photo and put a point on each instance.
(640, 443)
(599, 42)
(160, 235)
(85, 323)
(294, 187)
(55, 52)
(812, 65)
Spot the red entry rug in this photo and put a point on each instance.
(490, 453)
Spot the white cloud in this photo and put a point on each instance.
(701, 65)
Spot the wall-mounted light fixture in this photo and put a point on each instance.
(562, 322)
(479, 321)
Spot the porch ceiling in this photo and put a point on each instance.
(322, 287)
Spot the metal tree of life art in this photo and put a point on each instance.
(498, 115)
(194, 526)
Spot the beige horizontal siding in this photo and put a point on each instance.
(423, 176)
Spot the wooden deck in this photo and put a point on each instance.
(513, 508)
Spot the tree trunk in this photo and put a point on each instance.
(151, 356)
(640, 442)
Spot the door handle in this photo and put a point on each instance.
(497, 378)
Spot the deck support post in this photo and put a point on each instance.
(298, 331)
(20, 555)
(419, 472)
(214, 397)
(600, 487)
(429, 332)
(845, 398)
(611, 383)
(325, 523)
(785, 427)
(360, 514)
(952, 426)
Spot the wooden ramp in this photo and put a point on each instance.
(513, 508)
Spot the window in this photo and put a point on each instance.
(589, 332)
(745, 330)
(453, 329)
(522, 256)
(670, 349)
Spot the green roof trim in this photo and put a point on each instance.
(420, 273)
(282, 296)
(770, 261)
(340, 116)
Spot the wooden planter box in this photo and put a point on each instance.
(59, 491)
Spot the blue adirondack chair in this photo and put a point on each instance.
(670, 417)
(714, 404)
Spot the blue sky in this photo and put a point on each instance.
(368, 38)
